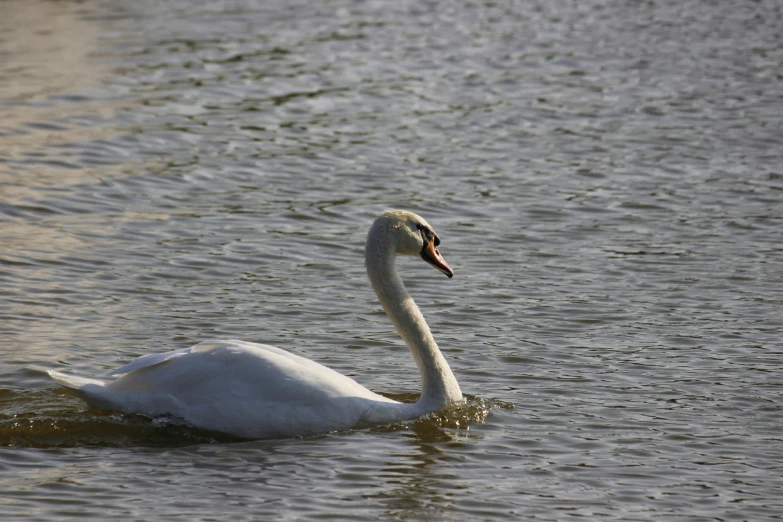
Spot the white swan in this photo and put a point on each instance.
(257, 391)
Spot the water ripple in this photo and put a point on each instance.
(606, 182)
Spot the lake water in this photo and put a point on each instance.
(606, 179)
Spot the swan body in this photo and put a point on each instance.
(254, 390)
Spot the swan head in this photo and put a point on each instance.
(410, 235)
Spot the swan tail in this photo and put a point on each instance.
(91, 391)
(73, 381)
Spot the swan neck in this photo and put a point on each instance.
(439, 386)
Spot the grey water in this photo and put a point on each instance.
(606, 180)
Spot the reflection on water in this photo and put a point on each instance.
(45, 102)
(46, 48)
(39, 420)
(606, 182)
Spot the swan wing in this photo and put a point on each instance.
(247, 389)
(236, 368)
(150, 360)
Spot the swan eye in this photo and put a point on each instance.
(427, 234)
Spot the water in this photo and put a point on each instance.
(605, 177)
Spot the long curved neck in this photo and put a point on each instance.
(439, 387)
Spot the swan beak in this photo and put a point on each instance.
(431, 255)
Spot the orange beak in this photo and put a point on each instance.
(431, 255)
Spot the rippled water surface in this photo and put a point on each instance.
(606, 179)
